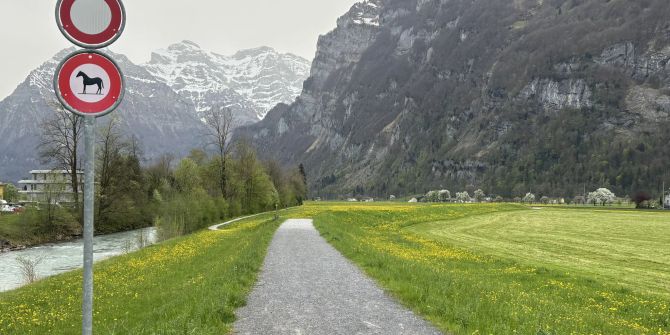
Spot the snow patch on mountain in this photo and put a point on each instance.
(365, 13)
(251, 81)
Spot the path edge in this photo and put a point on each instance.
(217, 226)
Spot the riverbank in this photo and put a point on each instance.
(17, 233)
(14, 235)
(6, 246)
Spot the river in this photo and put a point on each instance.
(63, 257)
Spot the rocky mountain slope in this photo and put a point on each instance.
(509, 96)
(164, 100)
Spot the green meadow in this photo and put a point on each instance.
(630, 248)
(468, 269)
(508, 269)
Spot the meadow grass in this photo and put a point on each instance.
(189, 285)
(630, 248)
(465, 287)
(422, 254)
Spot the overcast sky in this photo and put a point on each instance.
(29, 36)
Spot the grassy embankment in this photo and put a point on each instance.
(504, 269)
(12, 230)
(189, 285)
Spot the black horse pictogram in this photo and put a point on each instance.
(91, 81)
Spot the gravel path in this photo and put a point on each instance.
(307, 287)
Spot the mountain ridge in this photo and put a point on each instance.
(506, 96)
(164, 117)
(244, 77)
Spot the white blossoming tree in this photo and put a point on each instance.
(432, 196)
(529, 198)
(463, 197)
(601, 196)
(480, 195)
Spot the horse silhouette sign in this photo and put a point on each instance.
(91, 24)
(89, 83)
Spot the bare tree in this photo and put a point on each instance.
(53, 195)
(59, 144)
(109, 148)
(28, 268)
(220, 125)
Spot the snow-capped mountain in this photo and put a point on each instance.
(250, 81)
(164, 99)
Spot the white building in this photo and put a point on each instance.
(50, 186)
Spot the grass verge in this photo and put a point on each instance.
(189, 285)
(473, 291)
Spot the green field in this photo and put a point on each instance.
(631, 248)
(506, 269)
(468, 269)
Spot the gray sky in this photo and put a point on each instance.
(29, 36)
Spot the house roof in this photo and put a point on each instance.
(49, 182)
(54, 171)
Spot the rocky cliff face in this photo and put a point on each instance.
(164, 100)
(407, 95)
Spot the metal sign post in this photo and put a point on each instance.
(90, 84)
(89, 195)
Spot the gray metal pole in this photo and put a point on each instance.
(89, 194)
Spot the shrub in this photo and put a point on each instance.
(641, 198)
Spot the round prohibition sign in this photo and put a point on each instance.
(91, 24)
(89, 83)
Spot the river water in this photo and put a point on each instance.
(63, 257)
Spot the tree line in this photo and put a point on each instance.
(221, 180)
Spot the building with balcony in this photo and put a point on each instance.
(53, 186)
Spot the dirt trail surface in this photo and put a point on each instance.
(307, 287)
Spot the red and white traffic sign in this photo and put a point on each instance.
(91, 24)
(89, 83)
